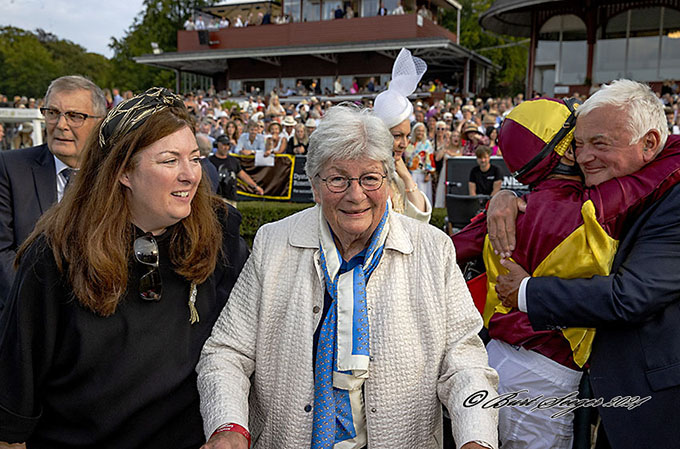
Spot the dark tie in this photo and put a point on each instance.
(68, 174)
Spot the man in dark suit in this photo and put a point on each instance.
(33, 179)
(635, 359)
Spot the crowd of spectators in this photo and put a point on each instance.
(451, 126)
(206, 22)
(442, 129)
(17, 135)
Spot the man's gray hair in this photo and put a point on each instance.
(204, 144)
(645, 111)
(77, 82)
(347, 132)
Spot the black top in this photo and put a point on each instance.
(228, 170)
(484, 180)
(291, 145)
(73, 379)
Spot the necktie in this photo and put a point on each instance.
(68, 174)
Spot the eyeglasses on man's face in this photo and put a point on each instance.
(73, 118)
(146, 253)
(368, 182)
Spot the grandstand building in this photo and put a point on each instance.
(315, 45)
(578, 43)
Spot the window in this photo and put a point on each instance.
(369, 8)
(253, 87)
(643, 44)
(292, 10)
(328, 9)
(562, 44)
(638, 44)
(311, 10)
(670, 45)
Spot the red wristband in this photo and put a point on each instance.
(233, 427)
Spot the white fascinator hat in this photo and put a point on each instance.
(392, 105)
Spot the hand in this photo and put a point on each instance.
(259, 190)
(500, 220)
(226, 440)
(472, 445)
(267, 153)
(401, 169)
(507, 285)
(427, 177)
(4, 445)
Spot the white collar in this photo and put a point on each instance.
(59, 164)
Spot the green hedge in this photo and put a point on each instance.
(438, 216)
(257, 213)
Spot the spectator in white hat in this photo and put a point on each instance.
(310, 126)
(394, 108)
(289, 124)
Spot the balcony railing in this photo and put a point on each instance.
(364, 29)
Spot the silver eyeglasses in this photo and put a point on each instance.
(75, 119)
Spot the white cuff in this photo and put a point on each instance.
(481, 443)
(522, 295)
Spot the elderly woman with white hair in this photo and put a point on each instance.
(333, 336)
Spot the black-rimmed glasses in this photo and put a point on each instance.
(146, 253)
(74, 119)
(339, 183)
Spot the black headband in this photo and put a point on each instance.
(130, 114)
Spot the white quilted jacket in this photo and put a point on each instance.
(256, 369)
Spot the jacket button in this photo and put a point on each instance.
(316, 309)
(308, 408)
(373, 410)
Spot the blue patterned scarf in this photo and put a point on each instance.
(343, 351)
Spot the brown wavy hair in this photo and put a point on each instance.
(90, 231)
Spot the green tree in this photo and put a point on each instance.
(74, 59)
(512, 55)
(158, 22)
(30, 61)
(26, 66)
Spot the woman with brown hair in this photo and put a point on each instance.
(275, 143)
(231, 131)
(117, 289)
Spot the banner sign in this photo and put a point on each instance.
(287, 180)
(302, 186)
(458, 175)
(276, 181)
